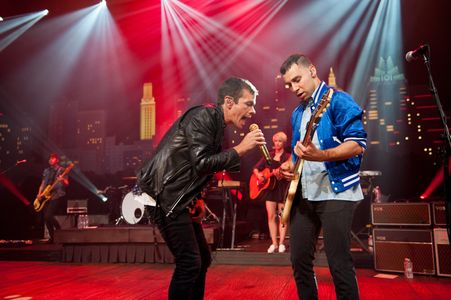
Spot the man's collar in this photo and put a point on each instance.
(221, 112)
(317, 92)
(313, 100)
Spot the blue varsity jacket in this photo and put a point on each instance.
(341, 122)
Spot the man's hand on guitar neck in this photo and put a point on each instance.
(64, 180)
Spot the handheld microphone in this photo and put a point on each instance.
(263, 148)
(21, 161)
(417, 53)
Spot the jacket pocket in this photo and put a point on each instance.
(178, 171)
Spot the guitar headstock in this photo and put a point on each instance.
(69, 167)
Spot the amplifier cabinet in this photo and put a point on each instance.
(442, 252)
(438, 213)
(391, 246)
(401, 214)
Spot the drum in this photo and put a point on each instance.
(132, 208)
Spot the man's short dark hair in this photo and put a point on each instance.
(233, 87)
(299, 59)
(54, 155)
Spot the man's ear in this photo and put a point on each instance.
(228, 101)
(312, 71)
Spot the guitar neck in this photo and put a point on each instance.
(300, 162)
(65, 172)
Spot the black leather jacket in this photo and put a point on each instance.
(186, 158)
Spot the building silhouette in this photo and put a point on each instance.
(148, 114)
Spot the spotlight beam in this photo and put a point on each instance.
(212, 46)
(24, 22)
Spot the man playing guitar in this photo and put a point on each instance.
(52, 174)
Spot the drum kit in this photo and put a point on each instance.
(133, 207)
(130, 204)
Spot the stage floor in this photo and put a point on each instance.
(54, 280)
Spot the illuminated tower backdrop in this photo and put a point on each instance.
(147, 128)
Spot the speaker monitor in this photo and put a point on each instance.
(438, 212)
(392, 246)
(401, 214)
(442, 252)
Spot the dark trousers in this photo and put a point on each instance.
(335, 217)
(49, 216)
(186, 241)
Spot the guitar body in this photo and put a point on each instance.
(256, 187)
(42, 200)
(292, 192)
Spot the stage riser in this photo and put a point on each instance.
(117, 253)
(136, 234)
(69, 221)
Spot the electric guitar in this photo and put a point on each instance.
(46, 194)
(311, 127)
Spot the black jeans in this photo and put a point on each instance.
(335, 217)
(49, 216)
(186, 241)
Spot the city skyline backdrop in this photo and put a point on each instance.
(86, 63)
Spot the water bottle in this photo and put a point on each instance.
(86, 221)
(370, 243)
(80, 221)
(408, 268)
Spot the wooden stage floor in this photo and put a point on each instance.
(54, 280)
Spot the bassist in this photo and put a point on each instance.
(51, 174)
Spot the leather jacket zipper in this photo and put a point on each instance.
(180, 197)
(183, 168)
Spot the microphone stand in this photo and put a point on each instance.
(447, 150)
(11, 167)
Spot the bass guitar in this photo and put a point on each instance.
(46, 194)
(311, 127)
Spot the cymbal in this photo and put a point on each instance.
(129, 178)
